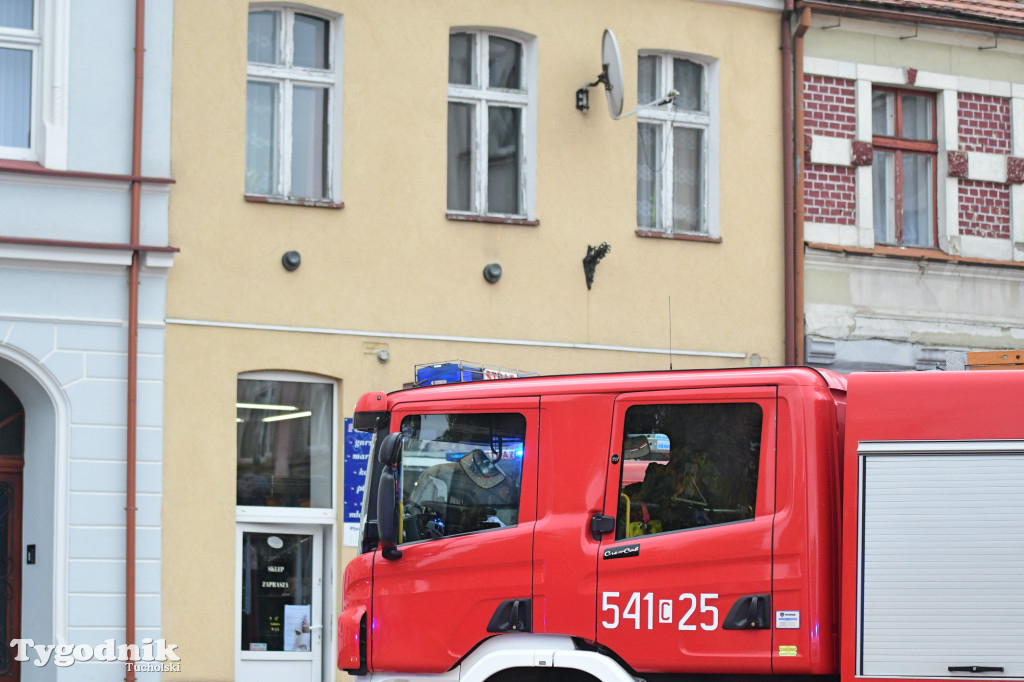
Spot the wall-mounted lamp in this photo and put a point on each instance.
(291, 261)
(492, 272)
(383, 355)
(593, 257)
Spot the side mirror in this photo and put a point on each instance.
(390, 449)
(388, 527)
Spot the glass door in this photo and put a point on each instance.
(279, 621)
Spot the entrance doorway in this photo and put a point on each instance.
(12, 465)
(281, 595)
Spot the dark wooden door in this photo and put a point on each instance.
(12, 464)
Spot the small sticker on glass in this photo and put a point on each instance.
(787, 620)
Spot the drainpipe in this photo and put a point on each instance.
(798, 224)
(133, 333)
(789, 180)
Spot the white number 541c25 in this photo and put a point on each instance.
(644, 610)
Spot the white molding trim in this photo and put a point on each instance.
(56, 32)
(1017, 221)
(989, 248)
(61, 493)
(153, 262)
(774, 5)
(984, 167)
(453, 339)
(831, 151)
(889, 75)
(832, 233)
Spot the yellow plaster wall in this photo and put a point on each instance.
(391, 262)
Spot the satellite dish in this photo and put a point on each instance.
(611, 78)
(611, 70)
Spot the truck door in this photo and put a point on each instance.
(468, 481)
(685, 578)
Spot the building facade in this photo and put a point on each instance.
(83, 212)
(362, 187)
(913, 186)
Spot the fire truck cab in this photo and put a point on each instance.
(622, 526)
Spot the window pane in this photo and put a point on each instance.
(883, 176)
(284, 443)
(503, 136)
(277, 591)
(15, 98)
(309, 142)
(461, 473)
(688, 155)
(260, 138)
(883, 114)
(917, 200)
(311, 42)
(688, 466)
(647, 80)
(16, 14)
(503, 63)
(917, 117)
(460, 157)
(460, 58)
(263, 37)
(648, 174)
(688, 79)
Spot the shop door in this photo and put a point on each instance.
(685, 579)
(279, 624)
(12, 464)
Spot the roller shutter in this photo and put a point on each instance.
(941, 571)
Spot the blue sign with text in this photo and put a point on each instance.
(357, 458)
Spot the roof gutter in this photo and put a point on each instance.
(912, 17)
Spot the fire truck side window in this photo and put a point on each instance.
(461, 473)
(688, 466)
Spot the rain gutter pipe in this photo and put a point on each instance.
(133, 335)
(789, 247)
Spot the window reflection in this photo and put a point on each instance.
(284, 443)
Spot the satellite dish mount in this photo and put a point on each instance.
(611, 78)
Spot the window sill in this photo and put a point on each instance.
(684, 236)
(909, 252)
(495, 220)
(313, 203)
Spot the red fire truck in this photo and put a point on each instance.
(784, 522)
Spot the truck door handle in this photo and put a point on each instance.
(601, 524)
(749, 613)
(975, 669)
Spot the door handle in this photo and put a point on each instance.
(749, 613)
(316, 627)
(601, 524)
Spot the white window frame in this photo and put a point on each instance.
(482, 96)
(285, 77)
(48, 42)
(321, 515)
(667, 118)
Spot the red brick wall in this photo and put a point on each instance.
(829, 191)
(829, 106)
(984, 209)
(984, 123)
(830, 195)
(984, 127)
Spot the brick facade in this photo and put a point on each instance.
(830, 195)
(984, 209)
(984, 123)
(829, 106)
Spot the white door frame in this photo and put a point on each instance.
(247, 663)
